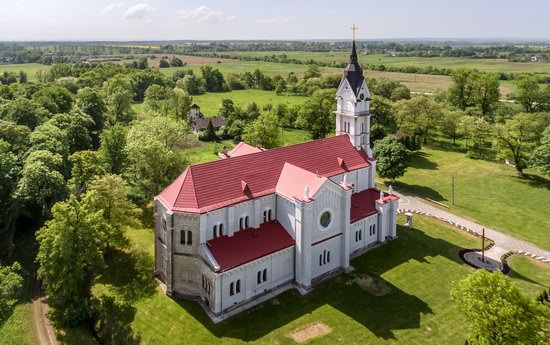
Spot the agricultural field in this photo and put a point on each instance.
(395, 298)
(491, 193)
(29, 68)
(486, 65)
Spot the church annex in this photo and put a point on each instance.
(237, 231)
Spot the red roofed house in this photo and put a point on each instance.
(239, 230)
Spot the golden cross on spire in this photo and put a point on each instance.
(353, 29)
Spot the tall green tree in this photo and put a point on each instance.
(118, 94)
(541, 155)
(86, 167)
(316, 115)
(181, 103)
(11, 284)
(108, 195)
(312, 71)
(56, 99)
(76, 126)
(498, 311)
(264, 131)
(113, 149)
(529, 94)
(382, 118)
(70, 253)
(90, 102)
(518, 137)
(9, 206)
(488, 93)
(392, 158)
(22, 111)
(213, 79)
(450, 123)
(418, 116)
(477, 132)
(462, 92)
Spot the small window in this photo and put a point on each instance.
(265, 216)
(360, 234)
(325, 219)
(328, 256)
(221, 229)
(265, 275)
(189, 237)
(163, 222)
(246, 222)
(238, 286)
(259, 277)
(231, 289)
(374, 229)
(182, 237)
(215, 231)
(320, 259)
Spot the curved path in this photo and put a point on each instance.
(503, 243)
(44, 329)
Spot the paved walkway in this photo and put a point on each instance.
(503, 243)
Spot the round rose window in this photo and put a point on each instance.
(325, 219)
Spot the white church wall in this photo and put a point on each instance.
(326, 256)
(359, 178)
(280, 270)
(368, 234)
(286, 215)
(328, 198)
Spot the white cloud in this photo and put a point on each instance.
(275, 20)
(137, 11)
(203, 14)
(112, 7)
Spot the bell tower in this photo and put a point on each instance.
(353, 104)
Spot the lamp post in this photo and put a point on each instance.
(483, 245)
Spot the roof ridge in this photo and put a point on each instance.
(190, 175)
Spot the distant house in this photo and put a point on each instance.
(199, 122)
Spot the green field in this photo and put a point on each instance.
(488, 192)
(414, 310)
(30, 68)
(487, 65)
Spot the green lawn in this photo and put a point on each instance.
(210, 102)
(533, 276)
(30, 68)
(418, 269)
(488, 192)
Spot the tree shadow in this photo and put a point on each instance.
(112, 320)
(130, 274)
(534, 180)
(420, 160)
(422, 191)
(381, 315)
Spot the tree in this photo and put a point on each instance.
(16, 135)
(392, 158)
(152, 150)
(498, 311)
(191, 84)
(312, 71)
(50, 138)
(182, 103)
(90, 102)
(517, 138)
(70, 253)
(450, 123)
(541, 155)
(22, 111)
(76, 127)
(41, 184)
(462, 92)
(528, 94)
(11, 283)
(477, 132)
(390, 89)
(164, 63)
(316, 114)
(159, 99)
(23, 77)
(118, 93)
(213, 79)
(382, 119)
(9, 173)
(113, 149)
(264, 131)
(487, 93)
(107, 194)
(56, 99)
(86, 167)
(210, 133)
(176, 62)
(417, 116)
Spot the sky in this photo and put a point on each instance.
(84, 20)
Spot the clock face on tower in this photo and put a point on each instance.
(361, 96)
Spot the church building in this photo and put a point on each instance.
(237, 231)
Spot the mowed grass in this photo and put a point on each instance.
(210, 102)
(414, 311)
(29, 68)
(533, 276)
(487, 192)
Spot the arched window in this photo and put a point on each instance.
(182, 237)
(324, 257)
(215, 231)
(246, 221)
(374, 229)
(231, 289)
(189, 237)
(320, 259)
(241, 223)
(259, 278)
(328, 256)
(269, 215)
(265, 275)
(221, 229)
(238, 287)
(265, 216)
(360, 234)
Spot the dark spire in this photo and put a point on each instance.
(353, 72)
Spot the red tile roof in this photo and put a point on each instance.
(363, 203)
(249, 244)
(209, 186)
(293, 180)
